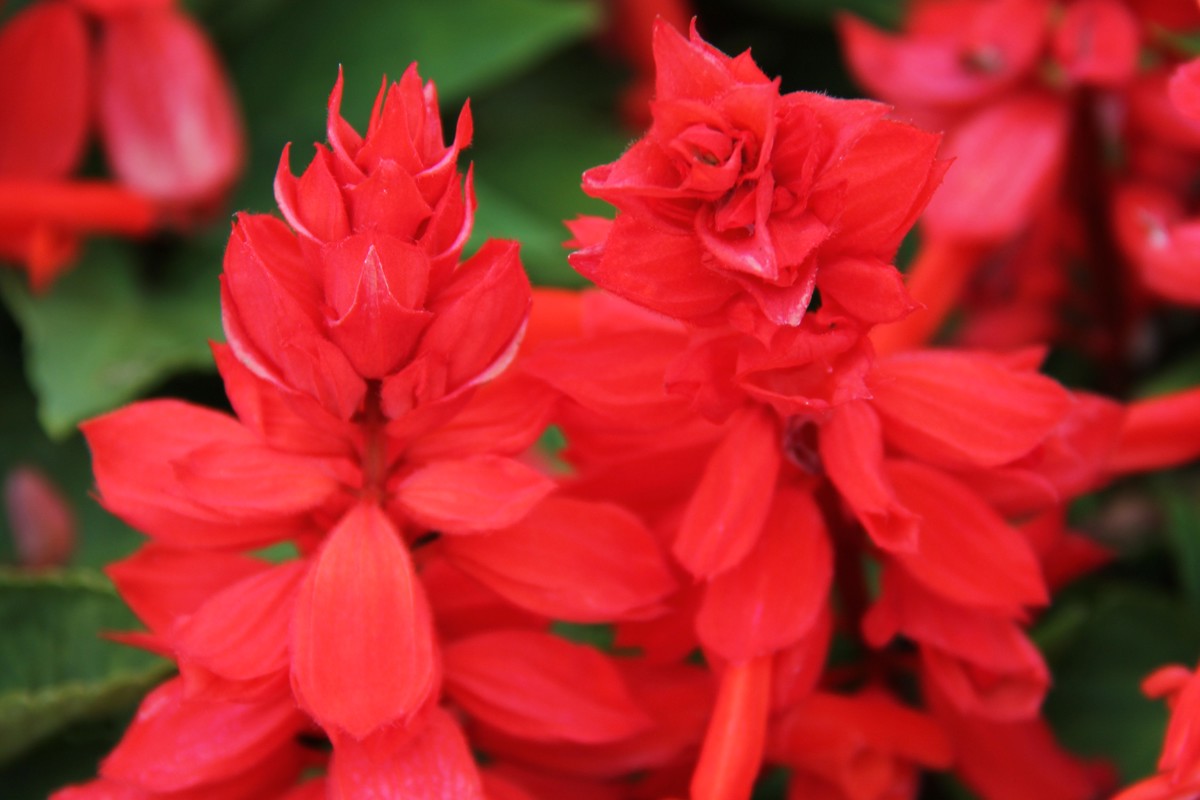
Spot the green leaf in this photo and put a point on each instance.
(104, 334)
(286, 66)
(100, 537)
(1120, 636)
(55, 668)
(601, 637)
(1183, 536)
(1177, 376)
(535, 139)
(71, 756)
(882, 12)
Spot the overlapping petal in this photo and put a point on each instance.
(363, 651)
(572, 560)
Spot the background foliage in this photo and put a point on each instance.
(134, 320)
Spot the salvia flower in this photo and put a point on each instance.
(375, 416)
(144, 78)
(740, 193)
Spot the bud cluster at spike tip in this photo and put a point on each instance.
(752, 482)
(145, 77)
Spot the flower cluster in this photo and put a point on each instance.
(1069, 157)
(810, 542)
(146, 78)
(367, 367)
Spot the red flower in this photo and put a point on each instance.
(400, 179)
(737, 190)
(164, 109)
(167, 114)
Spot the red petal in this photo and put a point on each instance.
(658, 270)
(1007, 160)
(1022, 760)
(314, 204)
(376, 286)
(167, 112)
(540, 687)
(163, 584)
(132, 450)
(428, 760)
(241, 478)
(1159, 432)
(727, 511)
(176, 742)
(570, 559)
(287, 421)
(241, 632)
(880, 187)
(583, 370)
(985, 664)
(1098, 42)
(44, 85)
(363, 652)
(867, 289)
(851, 447)
(823, 727)
(939, 67)
(504, 417)
(40, 519)
(963, 409)
(388, 201)
(772, 598)
(272, 309)
(691, 68)
(479, 320)
(1185, 89)
(473, 494)
(967, 552)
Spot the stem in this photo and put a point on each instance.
(737, 732)
(75, 206)
(1158, 433)
(374, 455)
(936, 279)
(1088, 189)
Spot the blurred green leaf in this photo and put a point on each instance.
(534, 141)
(1183, 535)
(883, 12)
(1120, 636)
(501, 216)
(1183, 374)
(104, 334)
(71, 756)
(100, 537)
(54, 666)
(286, 67)
(601, 637)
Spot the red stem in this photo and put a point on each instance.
(736, 737)
(936, 279)
(374, 455)
(1158, 433)
(75, 206)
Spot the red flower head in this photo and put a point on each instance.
(321, 320)
(369, 287)
(738, 190)
(163, 107)
(401, 179)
